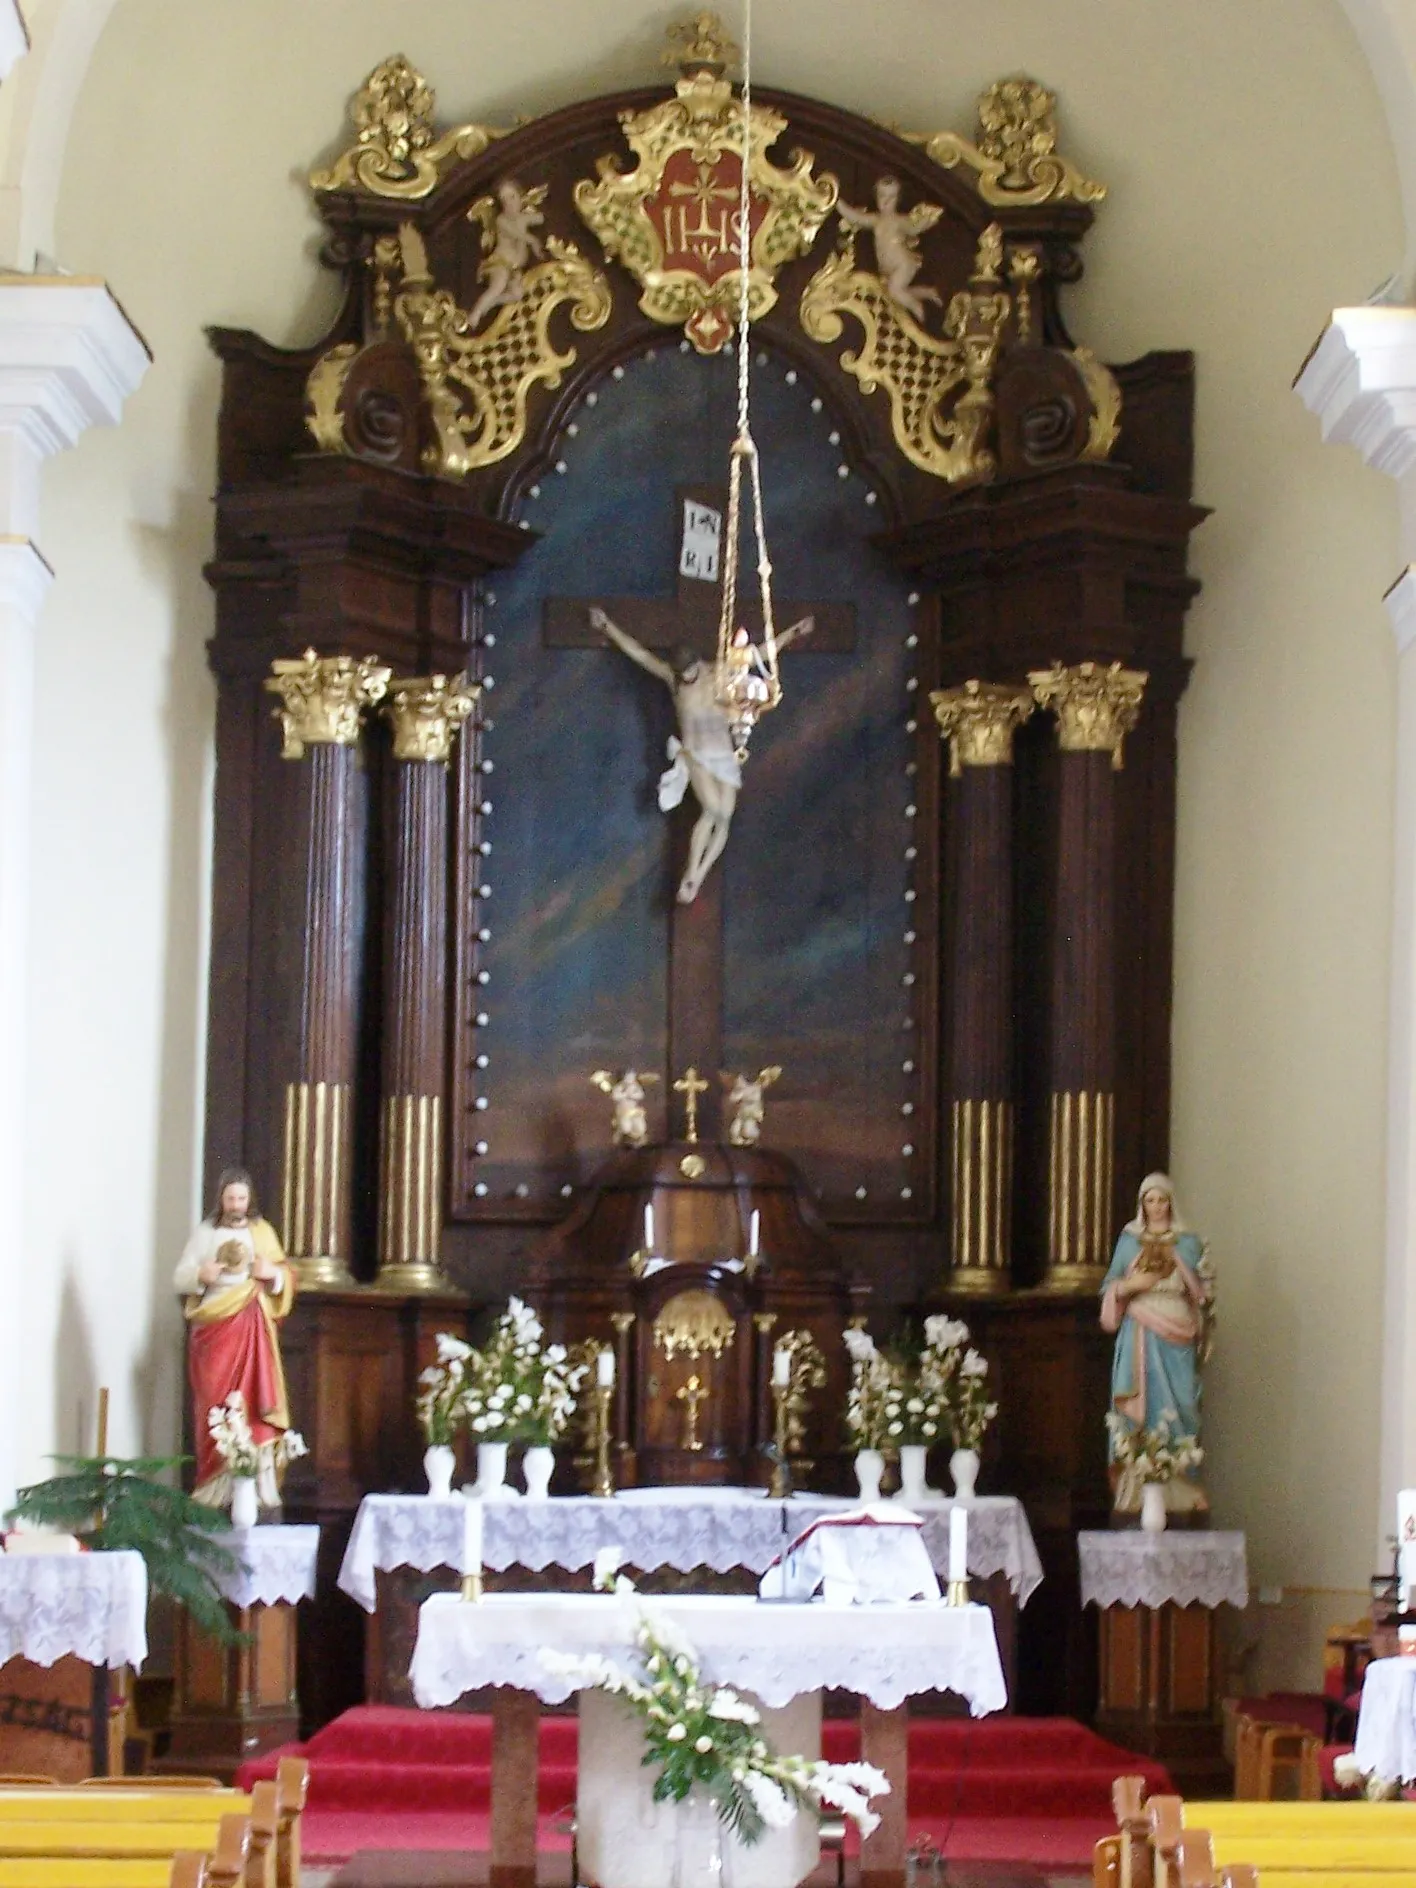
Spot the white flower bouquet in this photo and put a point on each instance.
(705, 1737)
(520, 1389)
(439, 1400)
(1152, 1455)
(876, 1394)
(951, 1372)
(231, 1432)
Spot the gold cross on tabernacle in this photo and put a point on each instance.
(691, 1085)
(691, 1395)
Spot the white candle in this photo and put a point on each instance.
(471, 1536)
(649, 1228)
(754, 1233)
(781, 1367)
(605, 1369)
(958, 1544)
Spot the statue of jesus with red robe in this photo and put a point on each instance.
(237, 1289)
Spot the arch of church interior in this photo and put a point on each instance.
(999, 991)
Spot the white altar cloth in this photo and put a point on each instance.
(776, 1652)
(1386, 1722)
(1179, 1567)
(863, 1557)
(277, 1565)
(93, 1606)
(655, 1527)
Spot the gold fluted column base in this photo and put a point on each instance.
(316, 1114)
(1083, 1130)
(410, 1218)
(981, 1245)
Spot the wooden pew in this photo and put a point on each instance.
(138, 1827)
(274, 1810)
(225, 1867)
(1266, 1749)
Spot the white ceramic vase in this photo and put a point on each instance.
(700, 1845)
(439, 1460)
(1153, 1507)
(963, 1468)
(245, 1507)
(538, 1464)
(914, 1461)
(491, 1473)
(869, 1467)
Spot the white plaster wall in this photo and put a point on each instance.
(1252, 190)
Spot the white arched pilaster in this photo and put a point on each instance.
(44, 88)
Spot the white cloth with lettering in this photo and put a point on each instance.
(1180, 1567)
(93, 1606)
(885, 1653)
(277, 1565)
(1386, 1722)
(862, 1557)
(682, 1528)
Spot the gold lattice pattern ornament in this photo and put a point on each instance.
(918, 372)
(396, 150)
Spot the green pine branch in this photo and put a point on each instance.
(117, 1502)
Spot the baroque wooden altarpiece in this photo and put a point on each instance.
(444, 890)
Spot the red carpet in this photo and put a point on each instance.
(1029, 1790)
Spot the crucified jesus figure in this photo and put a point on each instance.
(701, 753)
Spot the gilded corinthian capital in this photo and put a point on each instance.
(322, 698)
(978, 720)
(1096, 706)
(426, 712)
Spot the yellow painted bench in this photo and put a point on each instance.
(224, 1867)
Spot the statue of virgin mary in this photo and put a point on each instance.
(1156, 1299)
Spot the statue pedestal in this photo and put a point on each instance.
(233, 1702)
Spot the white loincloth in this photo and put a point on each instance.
(675, 780)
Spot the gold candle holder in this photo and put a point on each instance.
(604, 1482)
(781, 1484)
(472, 1587)
(958, 1593)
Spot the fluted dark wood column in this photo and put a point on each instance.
(322, 700)
(426, 713)
(979, 719)
(1096, 707)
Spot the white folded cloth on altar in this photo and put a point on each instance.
(865, 1555)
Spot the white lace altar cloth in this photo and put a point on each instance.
(277, 1565)
(93, 1606)
(680, 1528)
(776, 1652)
(1180, 1567)
(1386, 1722)
(860, 1557)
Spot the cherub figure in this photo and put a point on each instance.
(745, 1097)
(896, 233)
(509, 241)
(631, 1122)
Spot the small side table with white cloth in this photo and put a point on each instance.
(234, 1702)
(405, 1546)
(1160, 1676)
(780, 1654)
(88, 1607)
(1386, 1721)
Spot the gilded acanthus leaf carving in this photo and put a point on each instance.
(1015, 158)
(919, 372)
(396, 151)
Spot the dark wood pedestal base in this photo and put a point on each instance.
(1160, 1691)
(233, 1702)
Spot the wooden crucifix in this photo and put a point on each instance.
(675, 640)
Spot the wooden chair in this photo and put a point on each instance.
(1268, 1750)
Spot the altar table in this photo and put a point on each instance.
(404, 1547)
(1386, 1721)
(91, 1607)
(775, 1652)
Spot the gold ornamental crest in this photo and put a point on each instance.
(674, 221)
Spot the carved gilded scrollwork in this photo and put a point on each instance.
(322, 394)
(323, 697)
(1104, 426)
(1015, 160)
(426, 712)
(918, 371)
(396, 152)
(672, 221)
(978, 720)
(1097, 704)
(696, 1323)
(477, 385)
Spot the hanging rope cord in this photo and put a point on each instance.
(744, 446)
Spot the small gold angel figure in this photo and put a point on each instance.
(896, 233)
(630, 1126)
(745, 1097)
(509, 241)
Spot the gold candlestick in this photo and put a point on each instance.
(958, 1593)
(472, 1587)
(604, 1482)
(781, 1483)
